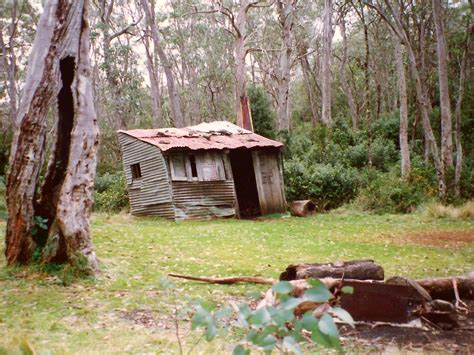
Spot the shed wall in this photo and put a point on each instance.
(150, 194)
(203, 199)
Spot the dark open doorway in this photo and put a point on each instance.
(245, 184)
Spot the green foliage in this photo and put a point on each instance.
(389, 193)
(329, 185)
(262, 112)
(272, 327)
(111, 194)
(40, 223)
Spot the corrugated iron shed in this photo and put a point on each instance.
(215, 135)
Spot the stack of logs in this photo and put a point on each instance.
(396, 300)
(437, 301)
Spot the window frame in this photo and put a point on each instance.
(171, 159)
(136, 171)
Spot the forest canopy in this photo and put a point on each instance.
(373, 100)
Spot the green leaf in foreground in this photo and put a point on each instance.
(260, 317)
(290, 344)
(282, 287)
(343, 315)
(240, 350)
(317, 293)
(327, 326)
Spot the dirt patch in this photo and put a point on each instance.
(143, 317)
(383, 337)
(438, 238)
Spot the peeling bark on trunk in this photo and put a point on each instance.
(305, 68)
(153, 75)
(421, 97)
(75, 202)
(344, 83)
(446, 122)
(402, 93)
(170, 81)
(58, 66)
(240, 54)
(457, 111)
(285, 18)
(328, 33)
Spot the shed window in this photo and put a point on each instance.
(192, 161)
(178, 167)
(136, 171)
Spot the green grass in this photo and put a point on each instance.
(97, 315)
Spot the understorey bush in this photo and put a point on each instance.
(329, 186)
(389, 193)
(110, 192)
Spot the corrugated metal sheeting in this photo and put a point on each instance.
(215, 135)
(203, 199)
(150, 194)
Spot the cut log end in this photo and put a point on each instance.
(302, 208)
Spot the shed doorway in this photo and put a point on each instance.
(245, 184)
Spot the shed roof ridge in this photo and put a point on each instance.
(213, 135)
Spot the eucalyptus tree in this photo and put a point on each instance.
(149, 10)
(464, 72)
(402, 96)
(17, 19)
(393, 15)
(446, 121)
(58, 69)
(346, 87)
(326, 77)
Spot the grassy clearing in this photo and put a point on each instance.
(126, 310)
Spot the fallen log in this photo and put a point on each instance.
(302, 208)
(227, 280)
(354, 269)
(443, 287)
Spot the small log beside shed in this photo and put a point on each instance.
(200, 172)
(302, 208)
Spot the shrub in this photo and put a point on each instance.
(111, 193)
(330, 186)
(389, 193)
(384, 154)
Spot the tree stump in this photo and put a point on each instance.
(355, 270)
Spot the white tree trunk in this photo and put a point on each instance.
(344, 83)
(326, 78)
(58, 66)
(446, 121)
(240, 53)
(421, 98)
(286, 11)
(153, 75)
(310, 90)
(170, 81)
(463, 72)
(402, 94)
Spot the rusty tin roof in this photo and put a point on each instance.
(213, 135)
